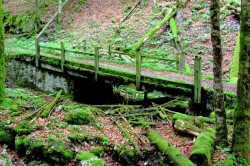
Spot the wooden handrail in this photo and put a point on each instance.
(42, 31)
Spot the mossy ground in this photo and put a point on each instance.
(58, 141)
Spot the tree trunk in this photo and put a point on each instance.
(241, 133)
(221, 126)
(179, 19)
(36, 14)
(2, 61)
(150, 33)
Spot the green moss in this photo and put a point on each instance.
(74, 137)
(230, 113)
(127, 153)
(89, 159)
(9, 104)
(235, 63)
(98, 151)
(6, 137)
(171, 153)
(19, 145)
(173, 28)
(211, 130)
(212, 115)
(203, 148)
(58, 151)
(103, 140)
(78, 116)
(193, 120)
(24, 127)
(180, 116)
(2, 57)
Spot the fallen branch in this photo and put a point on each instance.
(127, 135)
(48, 108)
(148, 35)
(136, 134)
(142, 123)
(130, 12)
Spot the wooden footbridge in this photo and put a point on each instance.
(97, 66)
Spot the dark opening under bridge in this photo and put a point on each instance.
(99, 70)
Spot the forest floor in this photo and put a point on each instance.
(55, 129)
(95, 22)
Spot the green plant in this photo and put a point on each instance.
(79, 116)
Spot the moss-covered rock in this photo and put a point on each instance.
(202, 150)
(79, 116)
(6, 137)
(98, 151)
(33, 146)
(89, 159)
(127, 155)
(103, 140)
(170, 153)
(58, 151)
(24, 127)
(19, 144)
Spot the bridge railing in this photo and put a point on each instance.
(135, 57)
(138, 61)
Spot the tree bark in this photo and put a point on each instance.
(2, 61)
(241, 133)
(221, 126)
(179, 19)
(36, 14)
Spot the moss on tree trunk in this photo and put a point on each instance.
(241, 133)
(2, 88)
(221, 126)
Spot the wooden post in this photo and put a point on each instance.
(197, 79)
(138, 69)
(109, 52)
(85, 45)
(96, 62)
(37, 47)
(62, 56)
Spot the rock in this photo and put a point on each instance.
(5, 159)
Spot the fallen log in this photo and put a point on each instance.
(48, 108)
(142, 123)
(150, 33)
(170, 153)
(187, 128)
(195, 120)
(203, 149)
(127, 135)
(131, 128)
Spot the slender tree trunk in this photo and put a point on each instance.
(36, 14)
(241, 133)
(2, 61)
(221, 126)
(179, 19)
